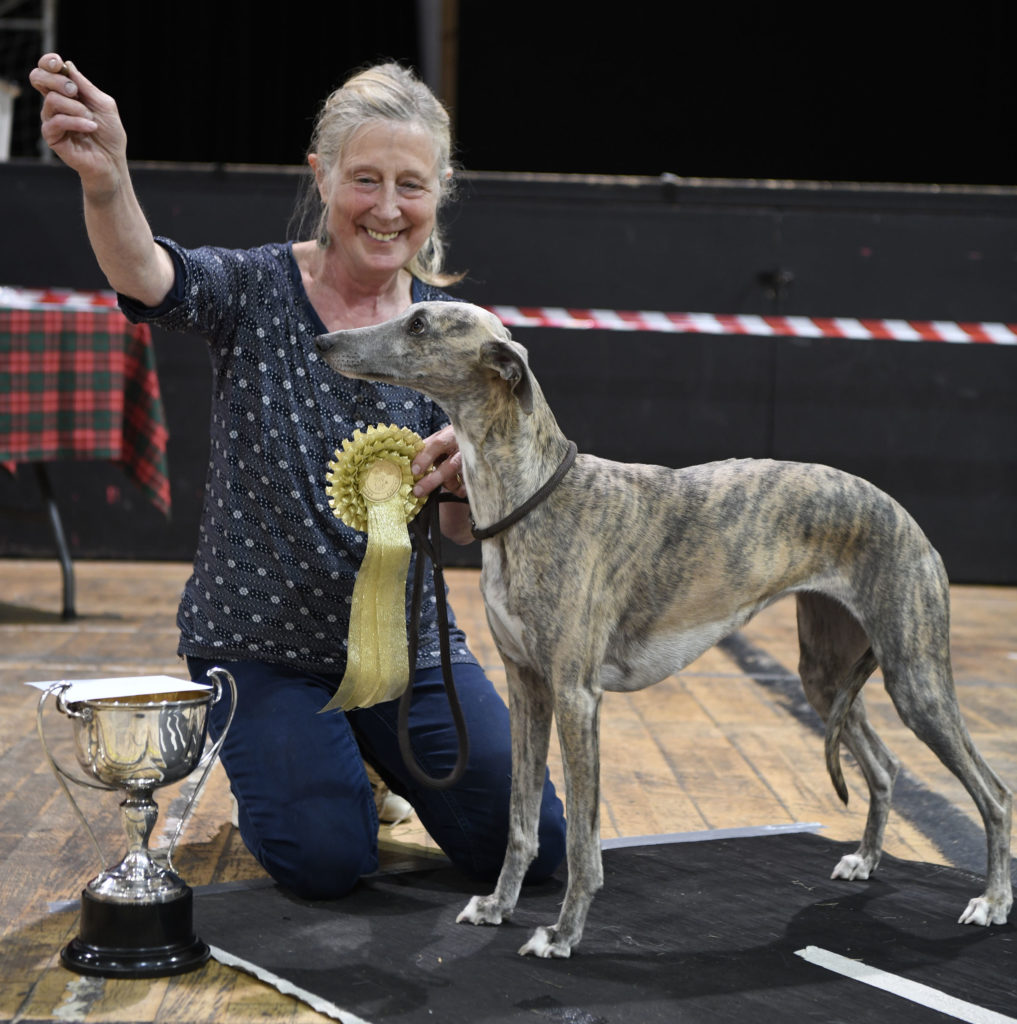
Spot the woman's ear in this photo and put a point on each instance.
(317, 169)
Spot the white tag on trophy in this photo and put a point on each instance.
(125, 686)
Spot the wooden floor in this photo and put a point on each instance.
(714, 747)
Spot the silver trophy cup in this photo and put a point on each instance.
(137, 916)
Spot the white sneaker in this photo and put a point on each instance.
(392, 809)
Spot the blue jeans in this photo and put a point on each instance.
(306, 810)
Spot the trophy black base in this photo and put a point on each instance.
(135, 940)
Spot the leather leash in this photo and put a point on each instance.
(427, 534)
(428, 539)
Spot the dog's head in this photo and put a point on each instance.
(447, 350)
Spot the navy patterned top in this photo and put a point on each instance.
(274, 570)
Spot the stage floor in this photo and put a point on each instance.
(702, 928)
(727, 743)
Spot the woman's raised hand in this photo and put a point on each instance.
(80, 123)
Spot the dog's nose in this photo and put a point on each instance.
(323, 343)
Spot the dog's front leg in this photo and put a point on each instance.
(578, 714)
(530, 714)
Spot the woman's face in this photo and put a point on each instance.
(382, 196)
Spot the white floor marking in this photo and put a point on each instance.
(913, 991)
(287, 988)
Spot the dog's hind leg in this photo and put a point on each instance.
(530, 713)
(923, 693)
(879, 767)
(577, 711)
(910, 633)
(836, 659)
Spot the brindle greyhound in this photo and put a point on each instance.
(625, 573)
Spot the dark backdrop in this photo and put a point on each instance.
(845, 92)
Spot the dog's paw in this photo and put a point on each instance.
(853, 867)
(984, 911)
(482, 910)
(546, 943)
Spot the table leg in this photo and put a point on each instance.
(63, 552)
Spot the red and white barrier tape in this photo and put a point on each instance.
(757, 326)
(55, 298)
(981, 333)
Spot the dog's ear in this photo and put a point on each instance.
(505, 360)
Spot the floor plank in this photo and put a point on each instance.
(712, 747)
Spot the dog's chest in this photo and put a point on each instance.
(507, 628)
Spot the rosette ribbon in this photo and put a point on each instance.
(370, 488)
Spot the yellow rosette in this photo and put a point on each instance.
(370, 488)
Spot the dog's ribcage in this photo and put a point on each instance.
(690, 555)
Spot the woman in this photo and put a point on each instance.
(270, 593)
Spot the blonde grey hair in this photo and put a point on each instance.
(382, 92)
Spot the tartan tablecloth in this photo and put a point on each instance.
(78, 381)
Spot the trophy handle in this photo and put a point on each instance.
(58, 689)
(208, 759)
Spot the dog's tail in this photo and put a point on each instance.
(844, 701)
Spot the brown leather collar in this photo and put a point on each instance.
(483, 533)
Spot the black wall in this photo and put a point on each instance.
(933, 424)
(860, 92)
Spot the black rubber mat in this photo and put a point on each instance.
(718, 930)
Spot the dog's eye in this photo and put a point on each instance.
(417, 325)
